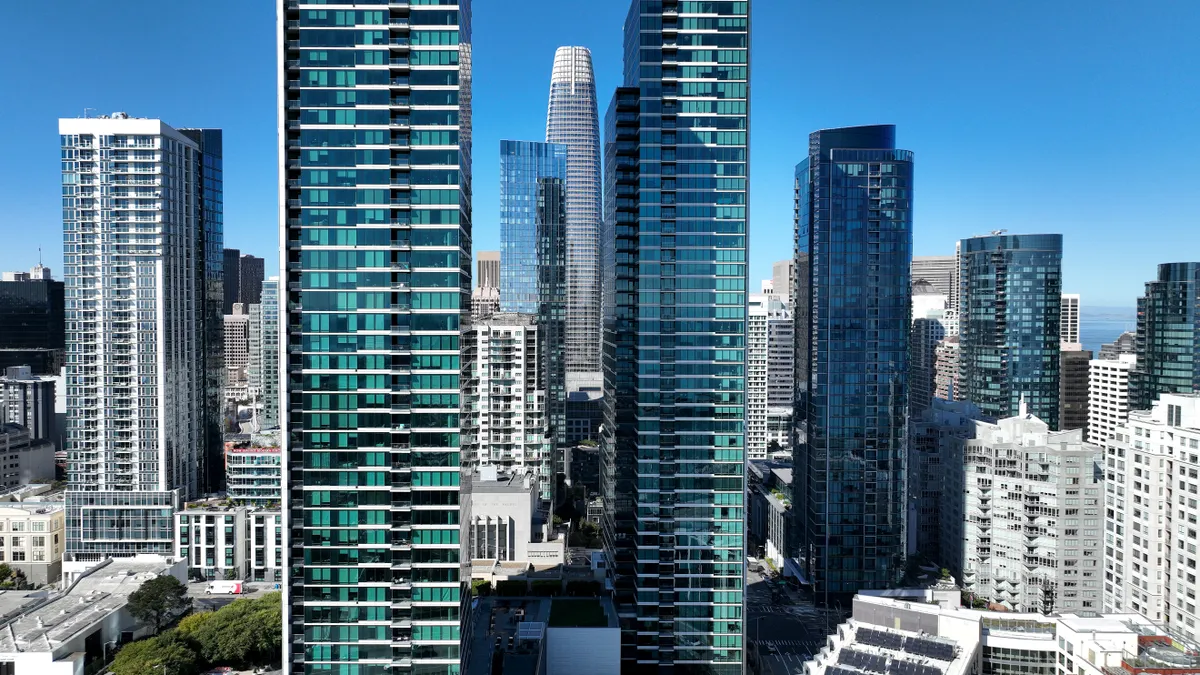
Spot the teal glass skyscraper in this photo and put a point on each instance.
(375, 159)
(673, 442)
(854, 197)
(523, 164)
(1010, 296)
(1168, 336)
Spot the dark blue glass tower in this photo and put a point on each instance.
(1010, 294)
(853, 264)
(673, 445)
(523, 164)
(1168, 335)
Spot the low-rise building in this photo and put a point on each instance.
(230, 542)
(79, 630)
(507, 523)
(550, 636)
(32, 538)
(771, 518)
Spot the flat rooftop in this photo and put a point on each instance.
(580, 613)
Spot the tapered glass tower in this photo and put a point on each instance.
(571, 120)
(851, 305)
(375, 152)
(673, 446)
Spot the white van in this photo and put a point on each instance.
(224, 587)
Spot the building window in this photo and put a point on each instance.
(37, 526)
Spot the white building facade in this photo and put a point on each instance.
(1108, 395)
(137, 239)
(770, 367)
(239, 542)
(1153, 469)
(1032, 516)
(1069, 319)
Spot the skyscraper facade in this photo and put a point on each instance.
(783, 277)
(572, 120)
(933, 272)
(853, 260)
(231, 278)
(673, 444)
(251, 272)
(770, 367)
(1009, 318)
(268, 375)
(32, 314)
(1168, 335)
(376, 158)
(522, 165)
(1069, 319)
(487, 273)
(136, 374)
(553, 299)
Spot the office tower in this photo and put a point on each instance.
(487, 273)
(32, 316)
(237, 351)
(1168, 335)
(1050, 482)
(376, 155)
(673, 444)
(770, 367)
(1009, 311)
(941, 424)
(508, 398)
(28, 400)
(269, 356)
(933, 272)
(139, 290)
(1068, 332)
(1073, 388)
(1126, 343)
(930, 326)
(1149, 568)
(251, 271)
(571, 120)
(945, 368)
(783, 277)
(232, 276)
(522, 165)
(1108, 395)
(853, 260)
(553, 299)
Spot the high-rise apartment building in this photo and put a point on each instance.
(1030, 519)
(783, 278)
(930, 325)
(32, 316)
(673, 444)
(945, 368)
(1009, 316)
(770, 367)
(251, 273)
(141, 239)
(572, 120)
(375, 124)
(1168, 335)
(28, 400)
(232, 277)
(933, 274)
(1068, 322)
(931, 437)
(1150, 554)
(267, 356)
(1074, 367)
(522, 166)
(853, 260)
(1108, 395)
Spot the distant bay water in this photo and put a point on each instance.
(1100, 325)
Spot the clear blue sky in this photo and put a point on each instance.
(1031, 116)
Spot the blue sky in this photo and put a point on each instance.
(1029, 116)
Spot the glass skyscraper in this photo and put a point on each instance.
(376, 163)
(854, 196)
(1010, 295)
(571, 119)
(522, 166)
(673, 443)
(1168, 336)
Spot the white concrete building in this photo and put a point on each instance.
(1068, 325)
(508, 404)
(237, 353)
(507, 523)
(1108, 395)
(32, 538)
(241, 542)
(770, 365)
(79, 630)
(1153, 470)
(1031, 516)
(142, 273)
(926, 632)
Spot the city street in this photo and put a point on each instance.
(785, 630)
(202, 601)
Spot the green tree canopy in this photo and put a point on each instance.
(159, 599)
(241, 634)
(146, 657)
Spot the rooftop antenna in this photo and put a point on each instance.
(85, 112)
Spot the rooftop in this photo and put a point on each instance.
(579, 613)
